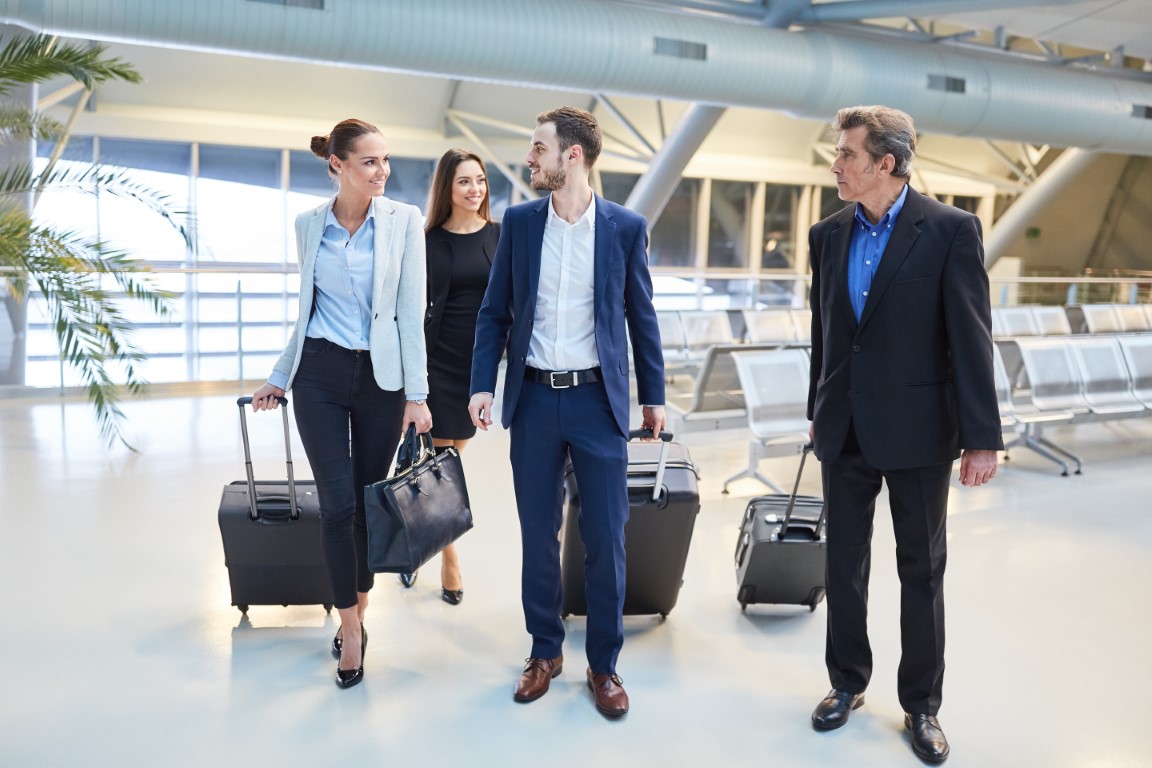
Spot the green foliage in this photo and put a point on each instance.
(72, 271)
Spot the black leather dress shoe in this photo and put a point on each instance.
(928, 739)
(451, 596)
(346, 678)
(408, 579)
(833, 711)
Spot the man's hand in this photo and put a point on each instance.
(654, 420)
(480, 409)
(978, 467)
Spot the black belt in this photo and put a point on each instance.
(562, 379)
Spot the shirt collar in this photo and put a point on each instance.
(888, 218)
(330, 217)
(589, 216)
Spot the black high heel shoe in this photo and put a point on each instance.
(337, 644)
(451, 596)
(346, 678)
(408, 579)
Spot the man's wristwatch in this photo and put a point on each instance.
(418, 402)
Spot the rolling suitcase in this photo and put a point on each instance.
(271, 533)
(663, 501)
(781, 551)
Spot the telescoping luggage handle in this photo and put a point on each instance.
(665, 438)
(792, 498)
(253, 512)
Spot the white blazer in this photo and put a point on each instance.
(399, 295)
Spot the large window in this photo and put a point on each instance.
(239, 205)
(728, 224)
(781, 208)
(673, 236)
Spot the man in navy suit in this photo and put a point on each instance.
(569, 286)
(901, 386)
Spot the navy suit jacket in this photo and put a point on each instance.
(622, 306)
(914, 375)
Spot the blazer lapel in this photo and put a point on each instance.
(605, 237)
(382, 246)
(904, 234)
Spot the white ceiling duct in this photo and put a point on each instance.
(601, 46)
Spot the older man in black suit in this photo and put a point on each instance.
(901, 386)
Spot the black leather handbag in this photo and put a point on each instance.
(418, 511)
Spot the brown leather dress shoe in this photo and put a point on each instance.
(611, 699)
(538, 673)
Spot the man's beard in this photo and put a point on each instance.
(550, 180)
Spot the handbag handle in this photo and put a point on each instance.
(414, 449)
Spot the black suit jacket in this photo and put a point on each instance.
(914, 376)
(438, 247)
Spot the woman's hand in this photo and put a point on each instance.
(418, 414)
(264, 399)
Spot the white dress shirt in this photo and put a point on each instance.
(564, 328)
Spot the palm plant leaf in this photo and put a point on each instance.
(38, 58)
(70, 270)
(94, 335)
(22, 123)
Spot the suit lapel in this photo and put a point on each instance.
(537, 219)
(840, 241)
(904, 234)
(605, 237)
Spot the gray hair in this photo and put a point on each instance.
(888, 132)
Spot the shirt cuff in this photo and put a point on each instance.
(278, 379)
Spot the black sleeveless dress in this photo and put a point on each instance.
(450, 362)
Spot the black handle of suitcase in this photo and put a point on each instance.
(665, 438)
(253, 511)
(792, 499)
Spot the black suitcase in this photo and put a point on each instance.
(663, 501)
(271, 533)
(782, 549)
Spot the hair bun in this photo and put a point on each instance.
(320, 147)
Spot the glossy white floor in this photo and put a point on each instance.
(118, 645)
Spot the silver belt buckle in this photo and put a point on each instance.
(552, 379)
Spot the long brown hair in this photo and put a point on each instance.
(440, 195)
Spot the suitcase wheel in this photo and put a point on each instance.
(664, 614)
(745, 596)
(243, 608)
(328, 608)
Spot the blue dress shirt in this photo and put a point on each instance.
(866, 249)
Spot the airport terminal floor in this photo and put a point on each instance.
(119, 646)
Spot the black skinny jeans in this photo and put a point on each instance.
(350, 429)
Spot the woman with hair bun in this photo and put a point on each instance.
(356, 358)
(460, 238)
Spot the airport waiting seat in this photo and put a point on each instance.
(802, 320)
(705, 328)
(1137, 351)
(1017, 321)
(1027, 421)
(1051, 321)
(769, 326)
(1107, 383)
(677, 358)
(1100, 318)
(717, 397)
(1132, 318)
(775, 384)
(1054, 385)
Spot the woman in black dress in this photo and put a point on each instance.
(460, 241)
